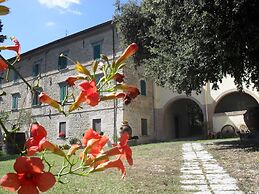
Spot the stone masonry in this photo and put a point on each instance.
(79, 47)
(202, 174)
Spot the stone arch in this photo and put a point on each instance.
(233, 100)
(183, 117)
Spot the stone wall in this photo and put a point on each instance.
(79, 48)
(141, 107)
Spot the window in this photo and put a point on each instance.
(1, 79)
(143, 126)
(143, 88)
(36, 69)
(62, 91)
(35, 97)
(62, 131)
(97, 50)
(15, 98)
(62, 61)
(97, 125)
(15, 76)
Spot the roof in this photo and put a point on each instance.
(88, 30)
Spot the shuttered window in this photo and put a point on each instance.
(143, 91)
(36, 69)
(35, 96)
(144, 127)
(62, 91)
(62, 132)
(35, 99)
(97, 125)
(15, 76)
(96, 51)
(62, 61)
(15, 98)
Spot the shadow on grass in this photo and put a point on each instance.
(5, 157)
(237, 144)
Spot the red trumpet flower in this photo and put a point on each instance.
(130, 50)
(29, 177)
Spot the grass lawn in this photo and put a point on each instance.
(241, 160)
(156, 169)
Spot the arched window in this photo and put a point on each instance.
(235, 101)
(143, 90)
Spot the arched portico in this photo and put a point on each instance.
(234, 101)
(183, 117)
(229, 109)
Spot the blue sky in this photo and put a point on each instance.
(38, 22)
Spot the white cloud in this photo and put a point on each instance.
(74, 12)
(58, 3)
(63, 11)
(49, 24)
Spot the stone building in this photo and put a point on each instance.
(156, 114)
(44, 65)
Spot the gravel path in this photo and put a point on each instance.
(202, 174)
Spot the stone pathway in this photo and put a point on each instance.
(202, 174)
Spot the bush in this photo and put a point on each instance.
(75, 140)
(64, 146)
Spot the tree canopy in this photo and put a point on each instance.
(2, 37)
(186, 43)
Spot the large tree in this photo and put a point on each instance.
(187, 43)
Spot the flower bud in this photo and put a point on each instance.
(130, 50)
(44, 98)
(118, 77)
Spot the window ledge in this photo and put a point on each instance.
(36, 106)
(63, 70)
(16, 82)
(233, 113)
(62, 138)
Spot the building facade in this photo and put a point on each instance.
(44, 67)
(156, 114)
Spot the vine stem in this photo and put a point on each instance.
(4, 128)
(72, 171)
(18, 73)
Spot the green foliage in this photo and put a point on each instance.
(2, 37)
(188, 43)
(64, 146)
(24, 118)
(74, 140)
(132, 24)
(4, 116)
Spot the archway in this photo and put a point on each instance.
(235, 101)
(228, 113)
(184, 118)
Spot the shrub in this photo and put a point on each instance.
(74, 140)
